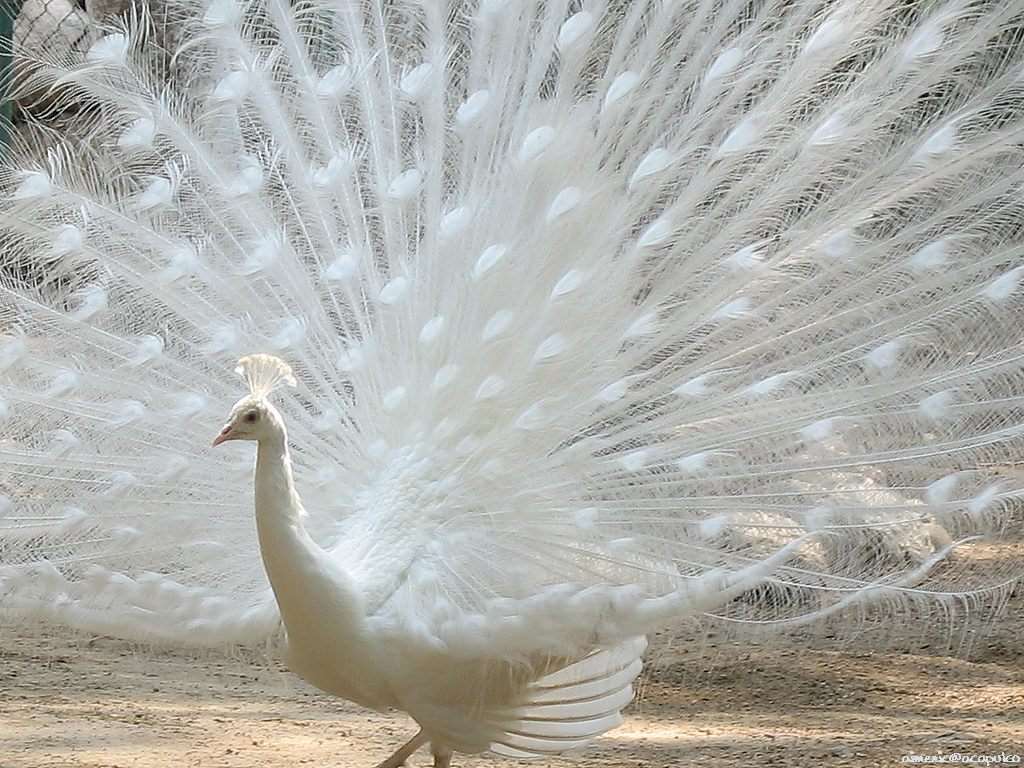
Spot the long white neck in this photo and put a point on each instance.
(277, 503)
(284, 544)
(321, 605)
(304, 579)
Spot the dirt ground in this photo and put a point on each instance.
(101, 704)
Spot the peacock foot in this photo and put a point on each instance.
(442, 755)
(403, 753)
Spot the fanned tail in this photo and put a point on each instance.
(600, 314)
(570, 708)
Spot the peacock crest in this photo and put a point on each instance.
(264, 373)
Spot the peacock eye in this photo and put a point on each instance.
(251, 416)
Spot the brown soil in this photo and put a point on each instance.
(102, 704)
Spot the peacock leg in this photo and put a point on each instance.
(442, 755)
(404, 752)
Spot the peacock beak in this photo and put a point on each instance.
(223, 436)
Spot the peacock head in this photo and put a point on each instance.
(253, 417)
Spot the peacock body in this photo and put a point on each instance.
(598, 314)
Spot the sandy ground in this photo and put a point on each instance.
(99, 704)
